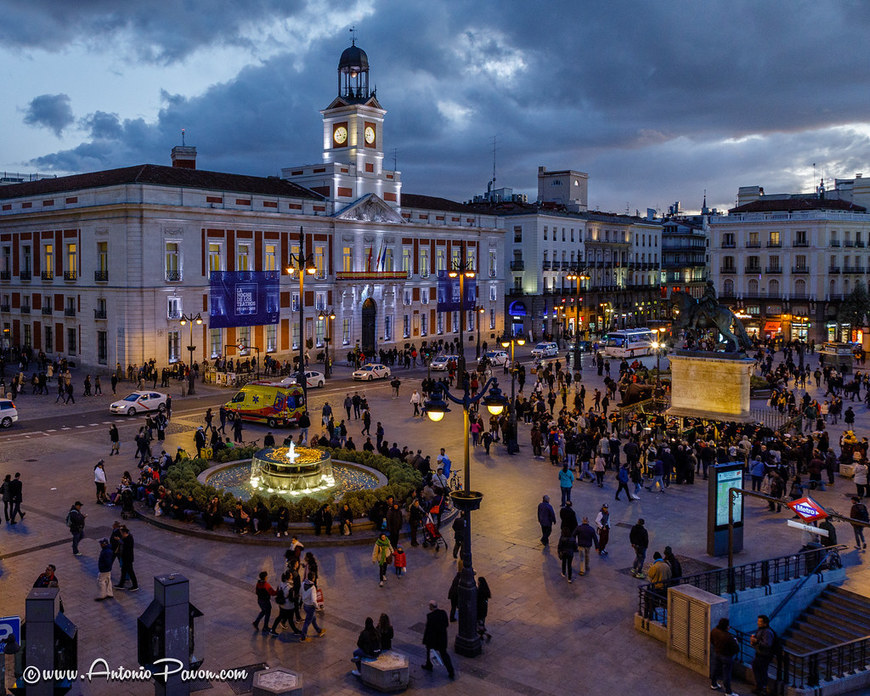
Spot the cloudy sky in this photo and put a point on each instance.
(657, 101)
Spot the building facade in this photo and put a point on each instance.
(99, 268)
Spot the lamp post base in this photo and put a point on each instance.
(468, 647)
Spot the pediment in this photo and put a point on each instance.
(370, 208)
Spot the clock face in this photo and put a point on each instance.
(370, 135)
(339, 135)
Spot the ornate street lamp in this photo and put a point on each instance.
(466, 500)
(301, 263)
(579, 278)
(190, 320)
(510, 341)
(327, 358)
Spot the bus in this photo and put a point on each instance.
(629, 343)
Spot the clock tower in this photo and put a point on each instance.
(353, 152)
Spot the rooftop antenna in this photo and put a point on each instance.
(492, 181)
(395, 160)
(353, 35)
(814, 174)
(182, 137)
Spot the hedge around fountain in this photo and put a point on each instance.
(402, 480)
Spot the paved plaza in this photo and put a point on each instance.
(549, 637)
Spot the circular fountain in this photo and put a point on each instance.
(293, 470)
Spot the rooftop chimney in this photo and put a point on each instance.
(184, 157)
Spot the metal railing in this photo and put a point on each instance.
(24, 275)
(653, 602)
(173, 276)
(47, 309)
(5, 275)
(101, 276)
(69, 311)
(99, 313)
(518, 265)
(47, 275)
(70, 275)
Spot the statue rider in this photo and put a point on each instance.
(707, 304)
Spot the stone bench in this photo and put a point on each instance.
(390, 672)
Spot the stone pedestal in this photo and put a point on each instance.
(714, 386)
(277, 682)
(390, 672)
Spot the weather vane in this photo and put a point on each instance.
(353, 35)
(182, 137)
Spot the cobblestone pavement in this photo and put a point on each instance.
(549, 637)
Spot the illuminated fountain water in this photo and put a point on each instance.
(292, 470)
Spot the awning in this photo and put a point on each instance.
(772, 326)
(517, 309)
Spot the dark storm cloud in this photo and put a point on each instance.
(52, 111)
(654, 100)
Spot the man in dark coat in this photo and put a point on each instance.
(546, 518)
(127, 562)
(435, 637)
(394, 523)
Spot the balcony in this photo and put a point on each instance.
(853, 269)
(773, 269)
(849, 244)
(101, 276)
(99, 313)
(47, 275)
(802, 296)
(546, 265)
(70, 275)
(859, 244)
(753, 245)
(835, 243)
(835, 270)
(69, 311)
(173, 314)
(728, 245)
(5, 275)
(729, 270)
(24, 275)
(800, 269)
(753, 269)
(516, 292)
(518, 265)
(5, 308)
(801, 243)
(173, 276)
(47, 309)
(25, 309)
(774, 245)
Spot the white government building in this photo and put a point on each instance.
(100, 267)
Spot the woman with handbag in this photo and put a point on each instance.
(382, 554)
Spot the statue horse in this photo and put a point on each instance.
(693, 316)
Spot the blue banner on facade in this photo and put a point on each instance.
(243, 298)
(448, 293)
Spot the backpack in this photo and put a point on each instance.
(69, 522)
(280, 597)
(861, 512)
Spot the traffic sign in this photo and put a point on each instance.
(808, 528)
(10, 626)
(808, 509)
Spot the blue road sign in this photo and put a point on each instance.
(10, 625)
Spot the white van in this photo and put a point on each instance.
(545, 350)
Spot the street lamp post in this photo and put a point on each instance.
(479, 319)
(190, 320)
(467, 639)
(512, 445)
(462, 270)
(301, 263)
(579, 277)
(327, 358)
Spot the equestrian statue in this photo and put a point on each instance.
(706, 313)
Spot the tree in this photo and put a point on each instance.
(855, 307)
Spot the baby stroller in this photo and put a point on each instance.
(431, 534)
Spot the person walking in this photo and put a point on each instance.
(724, 648)
(75, 520)
(127, 557)
(100, 482)
(7, 496)
(459, 533)
(639, 539)
(762, 640)
(104, 571)
(566, 549)
(859, 512)
(115, 438)
(602, 525)
(264, 592)
(309, 606)
(15, 488)
(381, 554)
(415, 401)
(546, 518)
(237, 429)
(586, 539)
(566, 482)
(435, 638)
(622, 477)
(395, 520)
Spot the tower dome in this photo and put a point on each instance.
(353, 73)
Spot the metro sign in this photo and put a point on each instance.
(808, 509)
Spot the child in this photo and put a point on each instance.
(400, 561)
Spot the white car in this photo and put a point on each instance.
(372, 371)
(442, 362)
(313, 378)
(140, 402)
(545, 350)
(497, 357)
(8, 413)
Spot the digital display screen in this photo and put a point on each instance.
(725, 480)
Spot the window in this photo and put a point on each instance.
(471, 259)
(424, 295)
(454, 317)
(103, 257)
(800, 262)
(752, 240)
(101, 307)
(320, 301)
(48, 332)
(388, 327)
(572, 234)
(800, 238)
(470, 316)
(424, 324)
(319, 259)
(406, 325)
(441, 260)
(27, 261)
(215, 342)
(48, 261)
(72, 261)
(244, 339)
(773, 239)
(243, 257)
(173, 268)
(28, 337)
(102, 348)
(753, 264)
(493, 293)
(546, 231)
(270, 261)
(294, 334)
(347, 259)
(388, 259)
(369, 259)
(563, 234)
(345, 332)
(406, 297)
(173, 310)
(439, 322)
(493, 263)
(173, 346)
(774, 263)
(271, 338)
(424, 262)
(834, 241)
(518, 235)
(319, 331)
(294, 302)
(214, 257)
(728, 240)
(455, 258)
(492, 318)
(6, 261)
(407, 263)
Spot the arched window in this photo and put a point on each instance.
(728, 288)
(773, 288)
(800, 288)
(753, 288)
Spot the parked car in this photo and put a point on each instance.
(314, 379)
(372, 371)
(545, 350)
(8, 413)
(140, 402)
(497, 358)
(442, 362)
